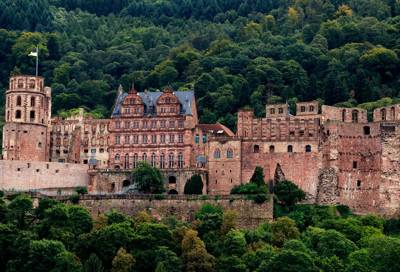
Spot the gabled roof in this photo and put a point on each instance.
(150, 100)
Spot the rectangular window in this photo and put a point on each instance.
(144, 124)
(126, 139)
(162, 138)
(355, 165)
(145, 139)
(171, 124)
(153, 139)
(153, 124)
(135, 124)
(135, 139)
(180, 124)
(117, 124)
(280, 110)
(197, 139)
(180, 138)
(117, 139)
(204, 138)
(171, 138)
(93, 150)
(162, 124)
(126, 125)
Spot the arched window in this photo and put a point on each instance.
(171, 160)
(229, 153)
(19, 100)
(383, 114)
(180, 160)
(271, 149)
(290, 149)
(135, 160)
(343, 115)
(17, 114)
(217, 153)
(162, 161)
(256, 149)
(32, 101)
(32, 115)
(153, 160)
(20, 83)
(308, 148)
(126, 161)
(354, 116)
(144, 157)
(32, 84)
(117, 157)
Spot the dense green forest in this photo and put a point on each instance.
(59, 237)
(233, 53)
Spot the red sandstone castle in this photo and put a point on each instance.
(334, 154)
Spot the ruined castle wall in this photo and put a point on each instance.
(390, 174)
(347, 115)
(298, 166)
(224, 171)
(389, 113)
(112, 181)
(46, 176)
(354, 152)
(250, 214)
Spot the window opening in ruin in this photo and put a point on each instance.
(308, 148)
(354, 164)
(229, 153)
(383, 114)
(126, 164)
(101, 150)
(354, 116)
(32, 84)
(217, 153)
(126, 183)
(311, 108)
(271, 149)
(280, 110)
(367, 130)
(40, 145)
(256, 149)
(343, 115)
(272, 111)
(180, 160)
(290, 149)
(18, 114)
(85, 161)
(173, 192)
(113, 186)
(171, 161)
(393, 113)
(358, 184)
(302, 108)
(32, 101)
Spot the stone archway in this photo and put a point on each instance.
(172, 180)
(172, 192)
(126, 183)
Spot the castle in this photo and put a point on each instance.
(334, 154)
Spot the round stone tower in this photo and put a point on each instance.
(26, 132)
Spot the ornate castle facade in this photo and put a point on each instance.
(334, 154)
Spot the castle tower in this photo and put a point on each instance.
(26, 132)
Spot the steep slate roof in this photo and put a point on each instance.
(150, 100)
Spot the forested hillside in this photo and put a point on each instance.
(233, 53)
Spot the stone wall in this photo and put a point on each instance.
(118, 181)
(183, 208)
(390, 174)
(47, 177)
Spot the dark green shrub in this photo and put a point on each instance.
(74, 198)
(194, 186)
(81, 190)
